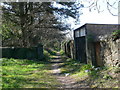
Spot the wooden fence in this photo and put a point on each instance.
(22, 53)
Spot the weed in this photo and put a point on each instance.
(116, 34)
(86, 67)
(107, 77)
(46, 55)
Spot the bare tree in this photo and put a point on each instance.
(97, 4)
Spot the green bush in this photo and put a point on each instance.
(62, 52)
(116, 34)
(46, 55)
(86, 67)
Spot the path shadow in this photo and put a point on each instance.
(55, 58)
(58, 74)
(53, 62)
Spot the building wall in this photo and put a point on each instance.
(90, 53)
(97, 30)
(101, 50)
(104, 53)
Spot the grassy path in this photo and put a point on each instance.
(73, 74)
(58, 72)
(64, 78)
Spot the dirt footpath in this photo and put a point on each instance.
(65, 80)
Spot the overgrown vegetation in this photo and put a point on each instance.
(116, 34)
(22, 73)
(101, 77)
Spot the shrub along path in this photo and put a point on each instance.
(64, 78)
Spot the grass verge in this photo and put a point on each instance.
(100, 77)
(22, 73)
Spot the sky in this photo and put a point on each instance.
(95, 17)
(99, 18)
(103, 17)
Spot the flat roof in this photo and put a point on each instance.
(93, 24)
